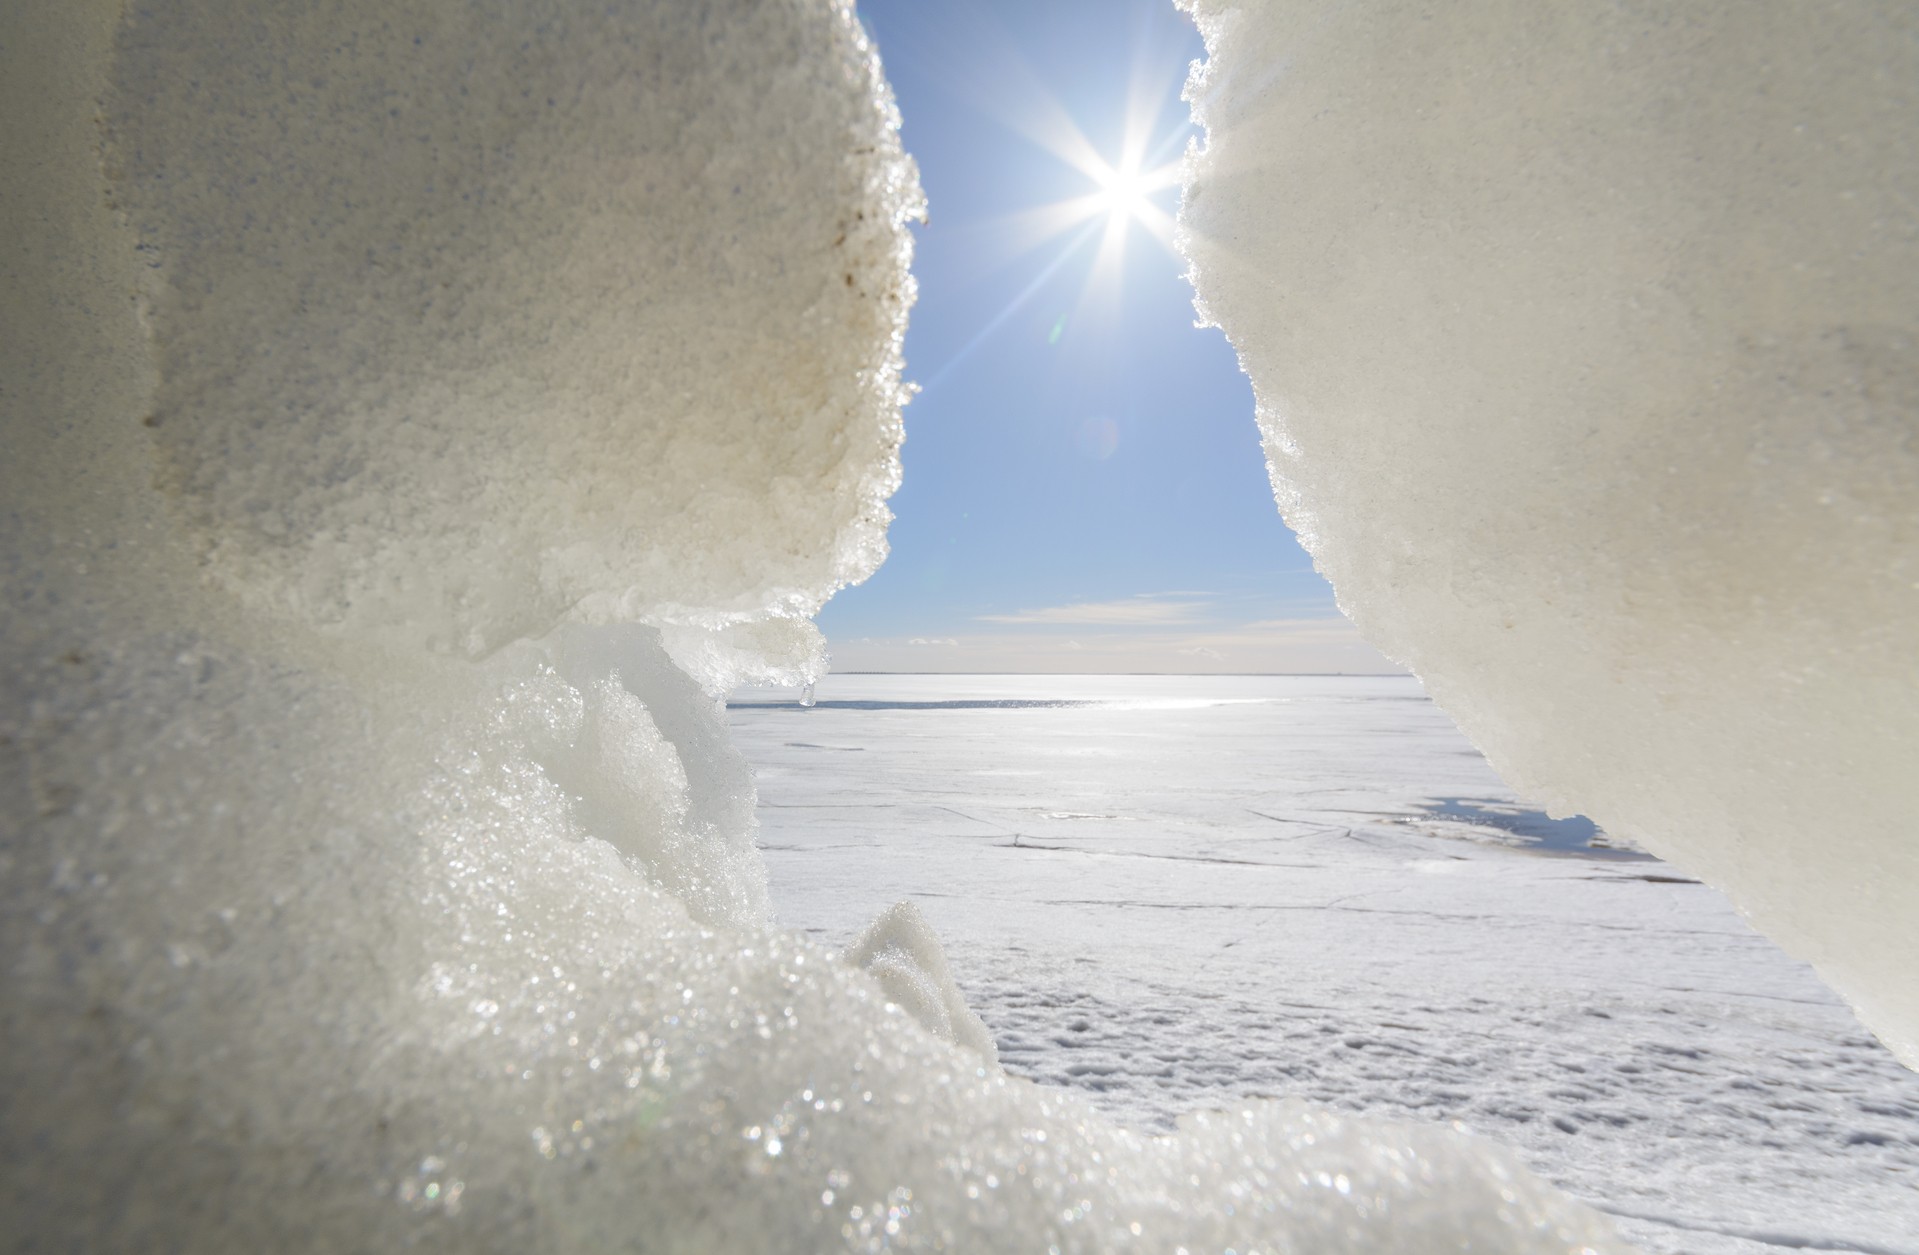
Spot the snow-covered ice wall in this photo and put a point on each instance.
(1586, 344)
(637, 366)
(414, 415)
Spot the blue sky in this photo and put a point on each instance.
(1084, 487)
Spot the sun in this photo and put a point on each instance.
(1123, 194)
(1123, 190)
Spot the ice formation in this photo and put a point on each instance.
(413, 421)
(904, 955)
(1584, 338)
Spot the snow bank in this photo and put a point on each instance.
(1584, 339)
(451, 401)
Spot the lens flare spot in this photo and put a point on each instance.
(1097, 438)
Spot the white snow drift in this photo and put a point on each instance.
(414, 418)
(1587, 353)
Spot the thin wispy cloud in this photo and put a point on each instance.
(1131, 612)
(1328, 627)
(1140, 643)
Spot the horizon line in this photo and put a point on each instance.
(1353, 674)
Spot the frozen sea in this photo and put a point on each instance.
(1175, 892)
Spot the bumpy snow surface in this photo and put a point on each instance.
(1170, 892)
(1587, 358)
(415, 415)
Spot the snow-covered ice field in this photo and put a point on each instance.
(1174, 892)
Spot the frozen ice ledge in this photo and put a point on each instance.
(416, 418)
(1586, 348)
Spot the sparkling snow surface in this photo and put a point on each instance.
(1173, 892)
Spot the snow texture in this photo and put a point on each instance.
(1587, 361)
(903, 953)
(1171, 893)
(414, 415)
(567, 292)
